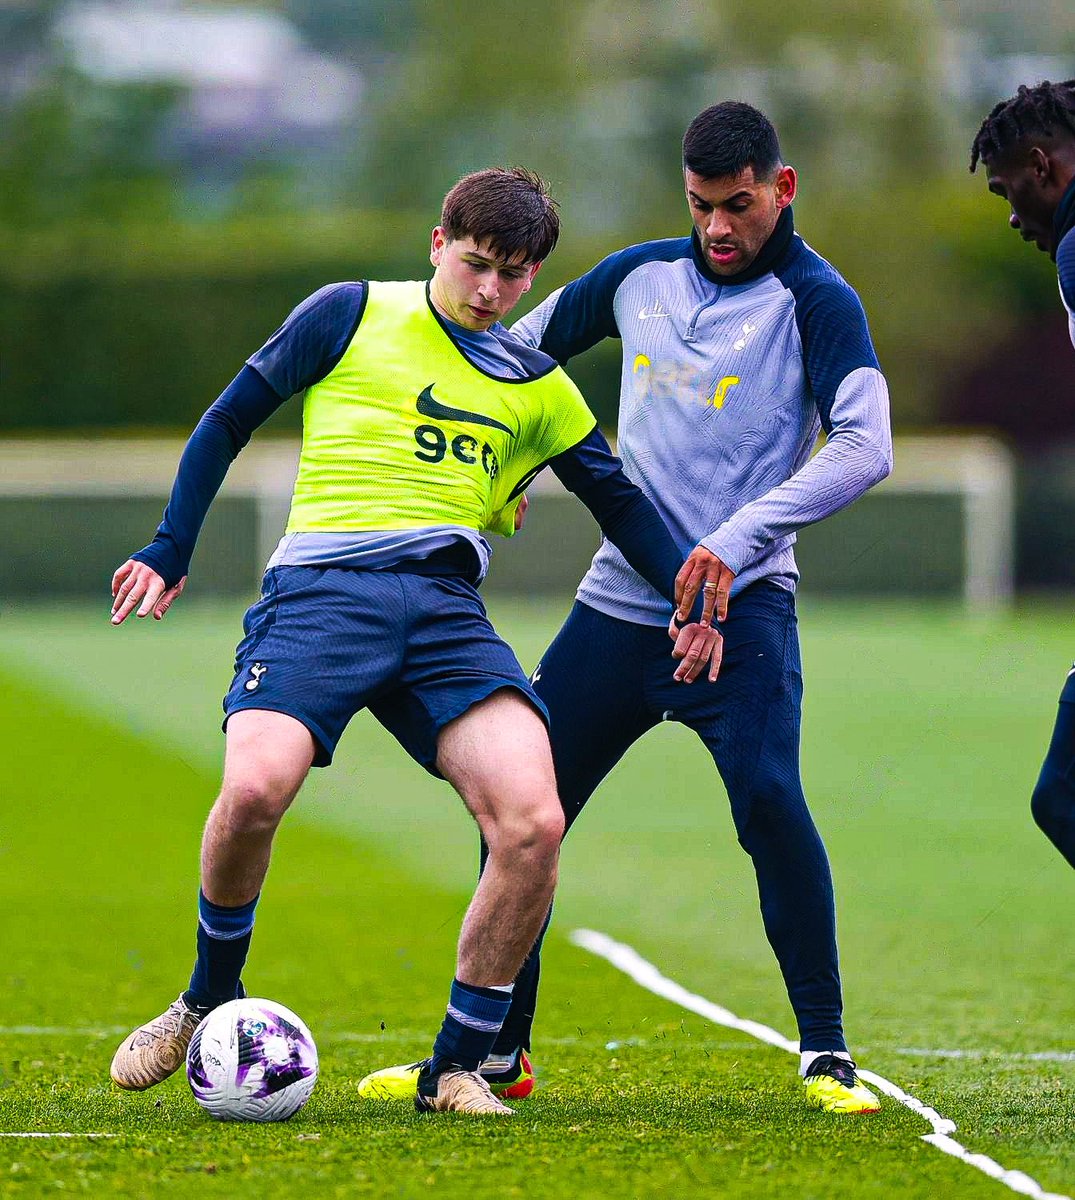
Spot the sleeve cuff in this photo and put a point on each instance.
(732, 553)
(161, 560)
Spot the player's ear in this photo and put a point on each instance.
(1040, 164)
(437, 242)
(534, 268)
(786, 184)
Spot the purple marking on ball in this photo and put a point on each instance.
(276, 1075)
(199, 1081)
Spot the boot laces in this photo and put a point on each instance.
(172, 1021)
(840, 1069)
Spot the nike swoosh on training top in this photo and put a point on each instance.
(429, 406)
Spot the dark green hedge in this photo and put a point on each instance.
(142, 327)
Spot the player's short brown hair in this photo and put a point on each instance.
(508, 209)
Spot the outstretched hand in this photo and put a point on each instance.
(136, 585)
(696, 646)
(703, 571)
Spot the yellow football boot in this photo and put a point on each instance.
(392, 1083)
(833, 1086)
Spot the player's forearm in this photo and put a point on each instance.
(220, 435)
(625, 514)
(636, 529)
(857, 455)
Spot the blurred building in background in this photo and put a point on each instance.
(175, 177)
(247, 90)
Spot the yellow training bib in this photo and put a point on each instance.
(405, 432)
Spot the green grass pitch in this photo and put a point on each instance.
(923, 734)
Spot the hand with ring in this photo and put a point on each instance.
(703, 571)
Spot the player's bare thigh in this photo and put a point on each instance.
(497, 757)
(267, 757)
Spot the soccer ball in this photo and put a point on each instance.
(252, 1060)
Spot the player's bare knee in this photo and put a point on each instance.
(547, 829)
(524, 830)
(252, 805)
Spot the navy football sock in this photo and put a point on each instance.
(223, 943)
(474, 1017)
(515, 1033)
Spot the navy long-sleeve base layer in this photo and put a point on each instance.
(605, 682)
(1053, 803)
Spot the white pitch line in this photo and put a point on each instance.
(1056, 1056)
(59, 1135)
(60, 1030)
(421, 1036)
(626, 959)
(385, 1037)
(410, 1035)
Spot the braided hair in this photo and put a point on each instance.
(1043, 110)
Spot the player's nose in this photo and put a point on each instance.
(719, 227)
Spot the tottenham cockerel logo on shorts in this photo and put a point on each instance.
(257, 670)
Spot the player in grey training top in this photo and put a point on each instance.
(725, 382)
(740, 343)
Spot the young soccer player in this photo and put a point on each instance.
(423, 422)
(1027, 146)
(739, 344)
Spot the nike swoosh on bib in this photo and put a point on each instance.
(428, 406)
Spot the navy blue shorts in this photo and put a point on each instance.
(322, 643)
(605, 682)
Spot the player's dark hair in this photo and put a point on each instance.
(1042, 111)
(508, 209)
(729, 137)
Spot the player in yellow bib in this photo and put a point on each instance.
(440, 442)
(423, 422)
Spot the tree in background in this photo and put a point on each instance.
(100, 216)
